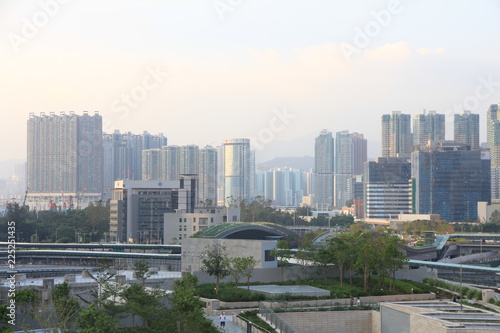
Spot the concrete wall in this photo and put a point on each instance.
(192, 248)
(330, 321)
(268, 275)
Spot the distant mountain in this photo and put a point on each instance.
(7, 167)
(302, 163)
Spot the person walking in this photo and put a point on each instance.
(222, 319)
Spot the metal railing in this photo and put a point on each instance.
(324, 305)
(275, 320)
(250, 326)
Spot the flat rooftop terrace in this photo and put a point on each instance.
(274, 290)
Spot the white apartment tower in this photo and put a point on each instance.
(64, 156)
(323, 170)
(207, 180)
(396, 135)
(428, 126)
(466, 129)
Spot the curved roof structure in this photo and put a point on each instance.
(250, 230)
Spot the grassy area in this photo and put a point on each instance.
(227, 292)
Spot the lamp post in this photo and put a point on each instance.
(461, 291)
(151, 223)
(56, 235)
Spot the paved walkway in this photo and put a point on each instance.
(230, 326)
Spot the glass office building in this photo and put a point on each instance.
(449, 179)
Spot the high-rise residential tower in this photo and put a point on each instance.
(466, 129)
(493, 140)
(324, 168)
(189, 160)
(360, 152)
(64, 159)
(396, 135)
(151, 164)
(238, 168)
(123, 156)
(350, 154)
(207, 180)
(170, 162)
(428, 126)
(344, 158)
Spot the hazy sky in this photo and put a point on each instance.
(277, 71)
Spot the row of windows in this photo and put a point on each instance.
(203, 220)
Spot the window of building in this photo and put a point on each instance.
(203, 221)
(194, 219)
(268, 256)
(180, 228)
(184, 219)
(211, 220)
(194, 228)
(180, 219)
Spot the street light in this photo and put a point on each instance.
(461, 291)
(151, 222)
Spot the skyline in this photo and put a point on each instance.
(202, 72)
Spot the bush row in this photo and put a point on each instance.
(466, 291)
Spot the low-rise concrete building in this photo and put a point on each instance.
(193, 248)
(183, 224)
(138, 206)
(484, 211)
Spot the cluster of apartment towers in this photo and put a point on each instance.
(71, 162)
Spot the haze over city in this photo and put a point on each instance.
(201, 71)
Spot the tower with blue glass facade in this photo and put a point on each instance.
(450, 179)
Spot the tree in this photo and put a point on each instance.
(27, 300)
(143, 302)
(65, 306)
(95, 320)
(187, 308)
(367, 255)
(141, 271)
(303, 255)
(248, 267)
(393, 257)
(323, 259)
(282, 253)
(215, 263)
(4, 319)
(341, 253)
(495, 217)
(240, 268)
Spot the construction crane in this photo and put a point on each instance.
(25, 195)
(80, 197)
